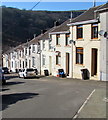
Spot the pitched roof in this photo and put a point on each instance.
(89, 14)
(62, 27)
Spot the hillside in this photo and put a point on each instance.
(20, 25)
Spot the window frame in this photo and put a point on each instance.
(58, 57)
(81, 53)
(57, 39)
(95, 25)
(77, 34)
(67, 36)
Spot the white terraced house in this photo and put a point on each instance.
(89, 51)
(23, 56)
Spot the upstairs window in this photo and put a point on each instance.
(94, 31)
(80, 32)
(50, 46)
(25, 51)
(43, 44)
(58, 39)
(30, 50)
(79, 55)
(33, 48)
(67, 39)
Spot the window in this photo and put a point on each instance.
(94, 31)
(79, 55)
(67, 39)
(25, 51)
(20, 63)
(33, 61)
(43, 44)
(20, 53)
(25, 62)
(50, 41)
(58, 58)
(79, 32)
(30, 50)
(33, 48)
(43, 60)
(58, 39)
(12, 64)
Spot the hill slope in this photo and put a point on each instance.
(20, 25)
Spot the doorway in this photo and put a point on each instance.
(94, 62)
(67, 63)
(50, 65)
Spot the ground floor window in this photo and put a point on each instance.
(79, 55)
(33, 61)
(58, 58)
(25, 62)
(43, 59)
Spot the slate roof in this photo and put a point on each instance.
(89, 14)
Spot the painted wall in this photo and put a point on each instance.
(104, 47)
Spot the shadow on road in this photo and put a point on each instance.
(10, 77)
(12, 83)
(9, 99)
(4, 89)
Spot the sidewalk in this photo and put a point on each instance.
(96, 105)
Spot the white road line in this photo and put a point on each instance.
(76, 115)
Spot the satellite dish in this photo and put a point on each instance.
(101, 33)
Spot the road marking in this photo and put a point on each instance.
(76, 115)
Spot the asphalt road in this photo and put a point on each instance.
(46, 97)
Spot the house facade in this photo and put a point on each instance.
(87, 51)
(56, 50)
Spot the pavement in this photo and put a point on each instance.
(51, 97)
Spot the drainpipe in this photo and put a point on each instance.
(72, 52)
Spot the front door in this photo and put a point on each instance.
(67, 63)
(94, 62)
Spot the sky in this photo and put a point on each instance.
(52, 6)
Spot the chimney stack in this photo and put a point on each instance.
(56, 23)
(43, 31)
(34, 35)
(94, 3)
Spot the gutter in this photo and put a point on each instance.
(83, 22)
(63, 32)
(101, 10)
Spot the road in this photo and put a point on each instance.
(45, 97)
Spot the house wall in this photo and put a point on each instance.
(104, 47)
(87, 45)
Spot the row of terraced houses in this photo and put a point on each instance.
(78, 43)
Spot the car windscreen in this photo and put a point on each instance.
(30, 70)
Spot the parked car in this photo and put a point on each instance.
(6, 70)
(2, 78)
(28, 72)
